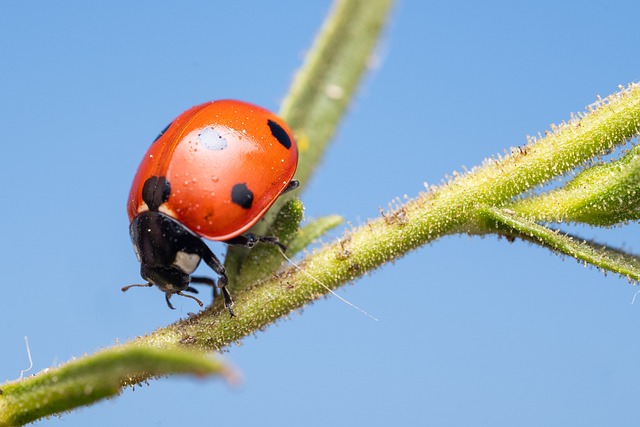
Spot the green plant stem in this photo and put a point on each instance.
(322, 90)
(453, 208)
(603, 195)
(324, 87)
(92, 378)
(509, 223)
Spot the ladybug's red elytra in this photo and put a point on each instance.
(211, 173)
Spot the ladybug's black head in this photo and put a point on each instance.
(167, 250)
(170, 280)
(165, 279)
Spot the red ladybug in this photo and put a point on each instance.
(213, 172)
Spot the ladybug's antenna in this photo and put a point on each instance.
(142, 285)
(191, 297)
(327, 288)
(169, 294)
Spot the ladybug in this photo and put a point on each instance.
(211, 173)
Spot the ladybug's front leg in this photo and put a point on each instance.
(214, 263)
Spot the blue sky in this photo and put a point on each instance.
(472, 331)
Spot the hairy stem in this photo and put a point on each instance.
(452, 208)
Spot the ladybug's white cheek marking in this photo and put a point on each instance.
(165, 210)
(186, 262)
(143, 208)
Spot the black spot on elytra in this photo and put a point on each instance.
(155, 191)
(242, 196)
(280, 134)
(162, 132)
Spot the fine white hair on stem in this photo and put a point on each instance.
(24, 371)
(327, 288)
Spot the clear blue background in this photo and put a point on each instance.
(472, 331)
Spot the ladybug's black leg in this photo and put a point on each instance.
(293, 184)
(203, 281)
(168, 295)
(214, 263)
(167, 298)
(250, 240)
(188, 296)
